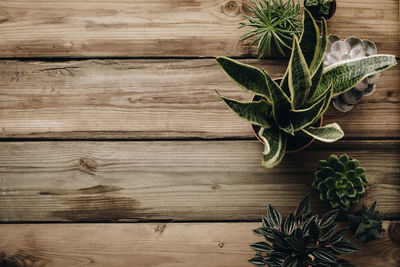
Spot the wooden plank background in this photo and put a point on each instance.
(103, 28)
(155, 99)
(108, 114)
(176, 180)
(153, 244)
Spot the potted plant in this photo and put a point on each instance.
(293, 106)
(321, 8)
(302, 239)
(340, 181)
(351, 48)
(366, 224)
(274, 23)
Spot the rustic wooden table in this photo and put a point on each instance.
(108, 117)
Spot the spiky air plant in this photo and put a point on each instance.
(274, 23)
(301, 240)
(340, 181)
(351, 48)
(366, 224)
(293, 106)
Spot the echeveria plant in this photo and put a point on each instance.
(305, 92)
(301, 240)
(340, 181)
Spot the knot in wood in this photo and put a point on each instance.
(231, 8)
(87, 165)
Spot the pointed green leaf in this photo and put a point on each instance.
(258, 261)
(304, 117)
(347, 74)
(274, 216)
(281, 105)
(315, 80)
(304, 207)
(256, 112)
(249, 78)
(310, 40)
(329, 218)
(275, 146)
(324, 256)
(323, 45)
(329, 133)
(288, 225)
(290, 262)
(344, 247)
(261, 247)
(299, 76)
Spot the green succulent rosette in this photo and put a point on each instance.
(340, 181)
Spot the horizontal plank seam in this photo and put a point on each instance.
(125, 221)
(62, 59)
(65, 59)
(43, 139)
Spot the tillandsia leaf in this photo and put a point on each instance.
(304, 117)
(304, 207)
(344, 247)
(321, 254)
(274, 216)
(249, 78)
(346, 74)
(301, 241)
(329, 218)
(310, 40)
(256, 112)
(275, 22)
(290, 262)
(280, 105)
(258, 261)
(261, 247)
(275, 146)
(288, 225)
(329, 133)
(299, 76)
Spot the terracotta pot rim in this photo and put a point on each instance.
(287, 151)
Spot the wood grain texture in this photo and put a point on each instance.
(103, 28)
(153, 245)
(179, 180)
(153, 99)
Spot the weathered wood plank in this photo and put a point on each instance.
(163, 27)
(180, 180)
(161, 245)
(146, 99)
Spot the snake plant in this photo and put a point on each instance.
(294, 105)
